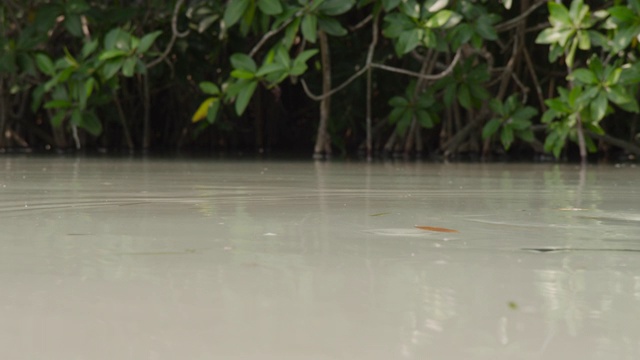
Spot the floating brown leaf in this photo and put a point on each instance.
(438, 229)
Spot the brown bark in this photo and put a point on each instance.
(323, 141)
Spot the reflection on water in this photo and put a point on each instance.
(275, 260)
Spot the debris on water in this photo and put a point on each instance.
(380, 214)
(549, 250)
(437, 229)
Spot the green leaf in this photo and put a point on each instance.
(73, 24)
(630, 74)
(454, 20)
(336, 7)
(91, 123)
(558, 14)
(299, 64)
(111, 68)
(407, 41)
(45, 64)
(584, 42)
(58, 104)
(496, 106)
(520, 124)
(433, 6)
(306, 55)
(548, 36)
(464, 96)
(243, 62)
(506, 137)
(424, 119)
(390, 4)
(270, 68)
(210, 88)
(129, 66)
(621, 14)
(410, 8)
(577, 10)
(242, 74)
(282, 57)
(309, 27)
(331, 26)
(525, 113)
(84, 91)
(147, 41)
(244, 96)
(526, 135)
(425, 100)
(429, 38)
(584, 76)
(631, 106)
(270, 7)
(88, 48)
(598, 106)
(618, 95)
(490, 128)
(396, 114)
(548, 116)
(404, 121)
(89, 85)
(234, 11)
(614, 76)
(571, 54)
(484, 27)
(449, 94)
(36, 97)
(76, 117)
(212, 114)
(110, 54)
(58, 118)
(555, 52)
(76, 6)
(439, 19)
(290, 33)
(397, 23)
(117, 39)
(398, 101)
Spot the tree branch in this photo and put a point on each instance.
(269, 34)
(509, 24)
(444, 73)
(174, 35)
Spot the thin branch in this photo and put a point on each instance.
(361, 23)
(174, 35)
(523, 88)
(335, 90)
(269, 34)
(628, 146)
(374, 41)
(534, 78)
(444, 73)
(509, 24)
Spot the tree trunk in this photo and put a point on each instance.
(323, 141)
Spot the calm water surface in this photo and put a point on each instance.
(151, 259)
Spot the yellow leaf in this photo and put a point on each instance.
(203, 109)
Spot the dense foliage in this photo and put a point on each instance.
(429, 77)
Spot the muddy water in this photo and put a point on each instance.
(149, 259)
